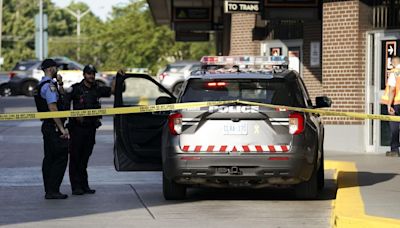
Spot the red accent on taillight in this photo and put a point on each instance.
(11, 75)
(175, 123)
(296, 123)
(217, 84)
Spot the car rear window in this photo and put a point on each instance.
(275, 91)
(174, 68)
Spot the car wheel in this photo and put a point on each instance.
(177, 89)
(5, 90)
(28, 88)
(308, 189)
(172, 190)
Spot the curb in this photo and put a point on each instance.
(348, 207)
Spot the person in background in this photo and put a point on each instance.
(392, 98)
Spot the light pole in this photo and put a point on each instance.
(78, 15)
(1, 30)
(41, 30)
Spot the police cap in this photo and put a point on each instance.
(89, 69)
(48, 63)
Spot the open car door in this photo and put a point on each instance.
(137, 136)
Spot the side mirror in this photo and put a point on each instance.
(165, 100)
(323, 102)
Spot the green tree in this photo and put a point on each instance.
(68, 44)
(128, 39)
(131, 39)
(19, 28)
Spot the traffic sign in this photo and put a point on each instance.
(241, 6)
(390, 50)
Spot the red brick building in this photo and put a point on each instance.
(342, 49)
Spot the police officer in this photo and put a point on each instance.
(84, 95)
(48, 97)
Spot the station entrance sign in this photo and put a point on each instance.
(242, 6)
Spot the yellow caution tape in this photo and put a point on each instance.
(179, 106)
(325, 112)
(109, 111)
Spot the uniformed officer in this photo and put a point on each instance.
(48, 97)
(84, 95)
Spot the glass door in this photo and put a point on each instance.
(382, 46)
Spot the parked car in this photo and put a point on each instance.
(26, 74)
(20, 77)
(5, 89)
(174, 74)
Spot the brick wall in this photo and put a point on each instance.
(312, 76)
(343, 58)
(241, 35)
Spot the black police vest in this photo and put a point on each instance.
(85, 98)
(41, 103)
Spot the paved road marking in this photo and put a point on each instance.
(348, 208)
(142, 202)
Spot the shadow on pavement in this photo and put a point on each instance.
(271, 194)
(355, 179)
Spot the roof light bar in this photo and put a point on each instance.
(245, 60)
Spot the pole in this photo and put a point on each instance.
(1, 28)
(78, 15)
(41, 29)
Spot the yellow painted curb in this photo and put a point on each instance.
(348, 208)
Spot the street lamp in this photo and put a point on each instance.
(78, 15)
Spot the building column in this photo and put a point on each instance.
(343, 71)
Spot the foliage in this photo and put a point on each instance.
(129, 38)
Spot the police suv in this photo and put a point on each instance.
(233, 145)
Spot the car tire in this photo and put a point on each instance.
(5, 90)
(172, 190)
(308, 189)
(28, 88)
(177, 89)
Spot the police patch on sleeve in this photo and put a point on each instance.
(52, 88)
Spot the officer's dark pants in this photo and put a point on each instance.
(55, 157)
(81, 147)
(394, 129)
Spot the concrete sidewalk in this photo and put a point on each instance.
(376, 180)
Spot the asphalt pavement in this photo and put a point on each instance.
(132, 199)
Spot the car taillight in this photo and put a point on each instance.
(11, 75)
(163, 75)
(216, 84)
(296, 123)
(175, 123)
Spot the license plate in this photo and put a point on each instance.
(235, 129)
